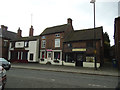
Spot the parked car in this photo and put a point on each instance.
(5, 64)
(3, 78)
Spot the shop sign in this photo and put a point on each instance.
(79, 49)
(49, 50)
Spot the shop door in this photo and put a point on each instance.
(49, 56)
(79, 61)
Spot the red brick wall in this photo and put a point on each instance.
(50, 41)
(117, 39)
(82, 44)
(4, 50)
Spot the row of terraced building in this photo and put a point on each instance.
(57, 45)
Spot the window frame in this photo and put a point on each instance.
(43, 43)
(57, 43)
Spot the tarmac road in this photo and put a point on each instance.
(26, 78)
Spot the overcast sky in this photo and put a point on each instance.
(48, 13)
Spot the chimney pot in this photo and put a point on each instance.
(19, 33)
(31, 31)
(69, 21)
(4, 27)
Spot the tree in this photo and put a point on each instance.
(106, 46)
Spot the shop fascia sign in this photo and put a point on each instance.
(79, 49)
(49, 50)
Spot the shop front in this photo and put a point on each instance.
(50, 56)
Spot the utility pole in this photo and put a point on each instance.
(93, 2)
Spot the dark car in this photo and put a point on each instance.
(3, 78)
(5, 64)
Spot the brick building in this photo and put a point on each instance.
(117, 39)
(79, 47)
(5, 37)
(52, 39)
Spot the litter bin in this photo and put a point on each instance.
(114, 62)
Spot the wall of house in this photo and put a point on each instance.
(117, 39)
(50, 41)
(33, 48)
(86, 51)
(4, 45)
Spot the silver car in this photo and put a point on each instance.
(5, 64)
(3, 78)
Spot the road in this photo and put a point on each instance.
(26, 78)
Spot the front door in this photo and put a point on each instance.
(49, 55)
(79, 61)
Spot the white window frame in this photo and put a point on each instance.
(43, 37)
(57, 42)
(57, 35)
(43, 43)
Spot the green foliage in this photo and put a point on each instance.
(106, 46)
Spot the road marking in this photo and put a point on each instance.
(53, 79)
(95, 85)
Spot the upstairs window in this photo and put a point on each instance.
(26, 44)
(5, 43)
(57, 42)
(12, 44)
(69, 45)
(43, 43)
(57, 35)
(90, 44)
(43, 37)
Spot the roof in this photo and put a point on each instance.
(29, 38)
(55, 29)
(86, 34)
(8, 34)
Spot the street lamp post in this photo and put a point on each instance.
(93, 2)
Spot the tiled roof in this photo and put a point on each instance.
(8, 34)
(29, 38)
(86, 34)
(55, 29)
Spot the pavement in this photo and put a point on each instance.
(106, 70)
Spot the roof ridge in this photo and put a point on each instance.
(56, 26)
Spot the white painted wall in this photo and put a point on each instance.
(33, 48)
(19, 44)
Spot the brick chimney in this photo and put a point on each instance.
(69, 21)
(19, 33)
(31, 31)
(4, 27)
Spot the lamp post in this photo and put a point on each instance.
(93, 2)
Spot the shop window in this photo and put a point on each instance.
(90, 59)
(69, 58)
(57, 55)
(31, 56)
(57, 42)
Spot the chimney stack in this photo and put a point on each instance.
(19, 33)
(69, 21)
(31, 31)
(4, 27)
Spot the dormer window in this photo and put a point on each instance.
(43, 37)
(57, 35)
